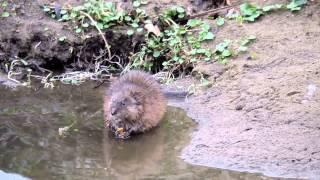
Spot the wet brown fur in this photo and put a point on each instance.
(144, 104)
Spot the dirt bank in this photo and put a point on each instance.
(263, 115)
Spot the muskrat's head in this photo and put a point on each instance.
(126, 106)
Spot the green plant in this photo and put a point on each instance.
(3, 6)
(272, 7)
(250, 12)
(175, 12)
(295, 5)
(176, 47)
(5, 14)
(222, 51)
(220, 21)
(62, 38)
(245, 42)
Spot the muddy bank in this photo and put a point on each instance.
(262, 115)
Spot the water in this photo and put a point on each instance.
(30, 144)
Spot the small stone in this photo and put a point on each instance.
(239, 107)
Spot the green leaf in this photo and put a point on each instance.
(5, 14)
(127, 18)
(62, 38)
(100, 25)
(130, 32)
(243, 48)
(250, 12)
(4, 4)
(78, 30)
(272, 7)
(252, 37)
(63, 11)
(136, 4)
(205, 27)
(85, 25)
(220, 21)
(181, 16)
(135, 25)
(222, 46)
(65, 17)
(194, 22)
(209, 36)
(201, 51)
(139, 29)
(156, 54)
(226, 53)
(144, 2)
(295, 5)
(180, 9)
(46, 9)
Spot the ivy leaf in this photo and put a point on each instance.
(250, 12)
(208, 36)
(139, 29)
(180, 9)
(63, 11)
(136, 4)
(220, 21)
(181, 16)
(130, 32)
(243, 49)
(78, 30)
(135, 25)
(127, 18)
(272, 7)
(85, 25)
(295, 5)
(5, 14)
(62, 38)
(226, 53)
(193, 22)
(205, 27)
(156, 54)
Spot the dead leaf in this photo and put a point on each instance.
(152, 28)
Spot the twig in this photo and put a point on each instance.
(100, 32)
(212, 11)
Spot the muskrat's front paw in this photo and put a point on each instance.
(121, 134)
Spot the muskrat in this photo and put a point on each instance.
(133, 104)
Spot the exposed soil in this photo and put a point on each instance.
(33, 36)
(261, 114)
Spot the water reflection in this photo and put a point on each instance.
(30, 144)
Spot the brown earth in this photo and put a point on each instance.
(263, 114)
(260, 115)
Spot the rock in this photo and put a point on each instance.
(213, 70)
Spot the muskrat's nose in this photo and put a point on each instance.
(113, 111)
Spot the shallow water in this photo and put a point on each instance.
(30, 144)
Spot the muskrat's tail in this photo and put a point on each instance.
(175, 94)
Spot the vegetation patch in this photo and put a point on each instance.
(166, 43)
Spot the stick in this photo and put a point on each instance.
(212, 11)
(100, 32)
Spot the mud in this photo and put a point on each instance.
(262, 115)
(28, 33)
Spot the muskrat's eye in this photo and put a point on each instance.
(123, 103)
